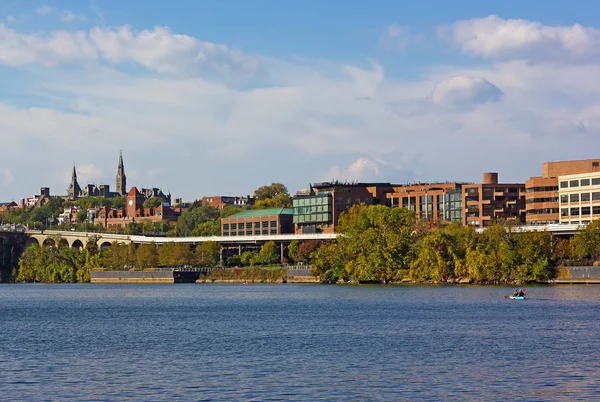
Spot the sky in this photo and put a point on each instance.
(221, 97)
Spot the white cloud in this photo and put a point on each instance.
(45, 10)
(10, 18)
(463, 90)
(314, 120)
(159, 50)
(508, 39)
(89, 173)
(68, 16)
(396, 36)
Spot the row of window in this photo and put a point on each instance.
(580, 183)
(249, 225)
(254, 232)
(543, 199)
(583, 197)
(312, 209)
(542, 211)
(313, 218)
(544, 188)
(308, 201)
(577, 211)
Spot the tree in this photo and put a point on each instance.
(304, 251)
(208, 253)
(329, 262)
(268, 253)
(174, 254)
(563, 249)
(82, 216)
(375, 241)
(146, 256)
(586, 243)
(194, 217)
(274, 196)
(152, 202)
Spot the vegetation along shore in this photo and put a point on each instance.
(376, 245)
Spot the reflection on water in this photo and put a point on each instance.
(297, 342)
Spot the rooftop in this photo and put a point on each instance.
(251, 213)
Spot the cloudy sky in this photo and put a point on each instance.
(221, 97)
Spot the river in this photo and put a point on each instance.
(297, 342)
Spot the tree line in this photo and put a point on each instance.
(377, 244)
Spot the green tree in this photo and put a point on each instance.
(208, 253)
(268, 253)
(375, 241)
(146, 256)
(174, 254)
(152, 202)
(586, 243)
(329, 263)
(275, 195)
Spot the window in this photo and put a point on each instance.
(596, 181)
(265, 231)
(273, 224)
(575, 211)
(564, 184)
(585, 210)
(596, 210)
(585, 196)
(574, 183)
(564, 198)
(574, 197)
(564, 212)
(240, 226)
(596, 196)
(226, 225)
(595, 164)
(265, 224)
(585, 182)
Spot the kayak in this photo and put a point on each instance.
(517, 297)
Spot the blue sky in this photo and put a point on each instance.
(221, 97)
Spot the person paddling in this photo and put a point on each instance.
(521, 293)
(515, 293)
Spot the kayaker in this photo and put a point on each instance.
(521, 294)
(515, 293)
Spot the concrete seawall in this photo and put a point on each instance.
(131, 277)
(573, 275)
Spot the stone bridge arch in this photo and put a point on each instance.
(104, 245)
(78, 244)
(49, 242)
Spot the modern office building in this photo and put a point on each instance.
(430, 201)
(491, 201)
(272, 221)
(317, 209)
(579, 198)
(542, 192)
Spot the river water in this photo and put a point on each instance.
(297, 342)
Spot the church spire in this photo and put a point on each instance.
(121, 178)
(74, 190)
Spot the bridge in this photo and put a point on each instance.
(104, 240)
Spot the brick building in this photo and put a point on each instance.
(542, 192)
(489, 201)
(317, 210)
(272, 221)
(134, 212)
(430, 201)
(220, 201)
(7, 206)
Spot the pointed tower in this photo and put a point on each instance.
(74, 190)
(121, 178)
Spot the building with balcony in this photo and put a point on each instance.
(579, 198)
(317, 209)
(490, 201)
(542, 192)
(272, 221)
(430, 201)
